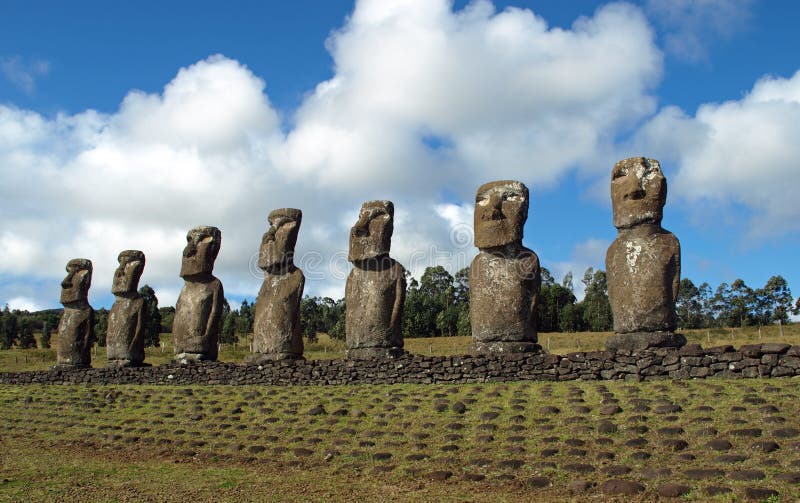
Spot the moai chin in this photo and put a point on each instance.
(376, 287)
(76, 328)
(276, 325)
(643, 265)
(504, 278)
(125, 336)
(198, 312)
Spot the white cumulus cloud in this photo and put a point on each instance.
(424, 101)
(744, 152)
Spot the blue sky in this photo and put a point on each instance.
(122, 125)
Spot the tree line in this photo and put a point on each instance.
(17, 327)
(438, 306)
(735, 304)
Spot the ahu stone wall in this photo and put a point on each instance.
(691, 361)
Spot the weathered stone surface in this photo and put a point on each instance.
(505, 276)
(125, 334)
(376, 287)
(198, 312)
(276, 325)
(637, 341)
(424, 369)
(76, 328)
(643, 263)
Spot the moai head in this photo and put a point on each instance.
(371, 236)
(638, 192)
(75, 287)
(202, 247)
(126, 277)
(501, 209)
(277, 245)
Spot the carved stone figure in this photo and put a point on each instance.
(76, 328)
(376, 287)
(504, 278)
(125, 335)
(643, 265)
(276, 325)
(198, 313)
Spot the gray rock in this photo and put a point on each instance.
(76, 328)
(198, 312)
(505, 276)
(376, 287)
(276, 325)
(125, 334)
(643, 263)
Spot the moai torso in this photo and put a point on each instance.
(198, 312)
(75, 337)
(643, 265)
(504, 278)
(643, 273)
(198, 318)
(374, 300)
(76, 328)
(276, 324)
(125, 336)
(503, 294)
(376, 287)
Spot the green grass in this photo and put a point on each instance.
(379, 443)
(16, 360)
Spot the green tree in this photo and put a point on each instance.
(228, 335)
(9, 330)
(553, 298)
(572, 319)
(244, 321)
(689, 305)
(741, 303)
(100, 326)
(706, 305)
(337, 330)
(44, 340)
(419, 314)
(26, 338)
(311, 320)
(596, 307)
(778, 298)
(721, 305)
(152, 317)
(167, 314)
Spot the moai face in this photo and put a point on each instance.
(638, 192)
(371, 236)
(277, 245)
(202, 247)
(75, 287)
(501, 209)
(126, 277)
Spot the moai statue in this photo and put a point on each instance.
(376, 287)
(504, 278)
(276, 326)
(76, 328)
(198, 313)
(643, 265)
(125, 335)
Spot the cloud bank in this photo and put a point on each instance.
(425, 104)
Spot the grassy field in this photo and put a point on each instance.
(720, 440)
(16, 360)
